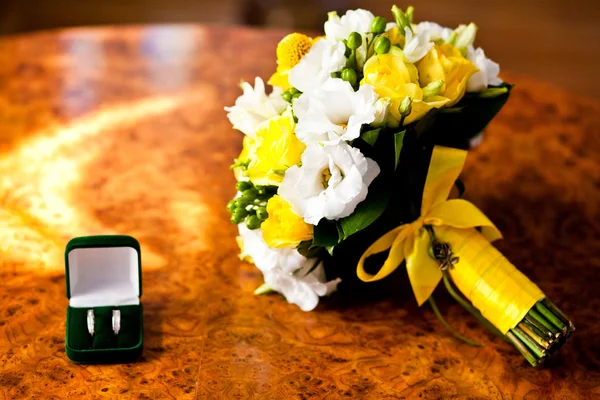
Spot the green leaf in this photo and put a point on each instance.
(371, 136)
(455, 129)
(425, 123)
(365, 213)
(451, 110)
(493, 92)
(307, 250)
(398, 140)
(325, 234)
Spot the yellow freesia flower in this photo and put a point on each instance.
(290, 51)
(283, 228)
(446, 62)
(276, 149)
(395, 79)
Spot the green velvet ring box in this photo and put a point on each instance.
(104, 273)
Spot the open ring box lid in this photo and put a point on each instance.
(104, 273)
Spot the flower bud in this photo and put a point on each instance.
(349, 75)
(382, 106)
(378, 25)
(433, 88)
(402, 19)
(287, 96)
(354, 41)
(231, 206)
(242, 202)
(243, 185)
(405, 107)
(262, 213)
(250, 194)
(253, 222)
(465, 36)
(382, 45)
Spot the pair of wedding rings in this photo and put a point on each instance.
(116, 321)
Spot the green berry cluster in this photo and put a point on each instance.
(375, 43)
(251, 206)
(291, 94)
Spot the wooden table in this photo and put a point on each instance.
(122, 130)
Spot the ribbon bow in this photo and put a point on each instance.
(411, 242)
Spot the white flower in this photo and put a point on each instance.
(382, 107)
(267, 258)
(254, 107)
(331, 182)
(302, 288)
(359, 21)
(416, 46)
(487, 74)
(334, 112)
(436, 31)
(286, 270)
(323, 58)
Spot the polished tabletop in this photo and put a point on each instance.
(122, 131)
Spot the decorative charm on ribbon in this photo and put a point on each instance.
(453, 237)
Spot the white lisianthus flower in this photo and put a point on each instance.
(382, 107)
(358, 21)
(338, 29)
(254, 107)
(267, 258)
(286, 271)
(487, 74)
(331, 182)
(304, 287)
(334, 112)
(416, 45)
(324, 58)
(436, 31)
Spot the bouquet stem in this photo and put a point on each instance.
(541, 333)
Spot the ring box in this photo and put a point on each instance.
(104, 273)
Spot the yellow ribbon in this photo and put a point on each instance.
(501, 292)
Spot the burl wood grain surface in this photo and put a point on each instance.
(122, 130)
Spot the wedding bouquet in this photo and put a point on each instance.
(348, 164)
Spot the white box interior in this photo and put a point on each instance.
(104, 276)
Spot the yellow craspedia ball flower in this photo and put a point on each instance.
(283, 228)
(292, 48)
(395, 79)
(276, 149)
(446, 62)
(290, 51)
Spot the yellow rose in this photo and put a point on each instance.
(276, 149)
(283, 228)
(446, 62)
(395, 79)
(290, 51)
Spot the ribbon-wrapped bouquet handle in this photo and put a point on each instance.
(451, 240)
